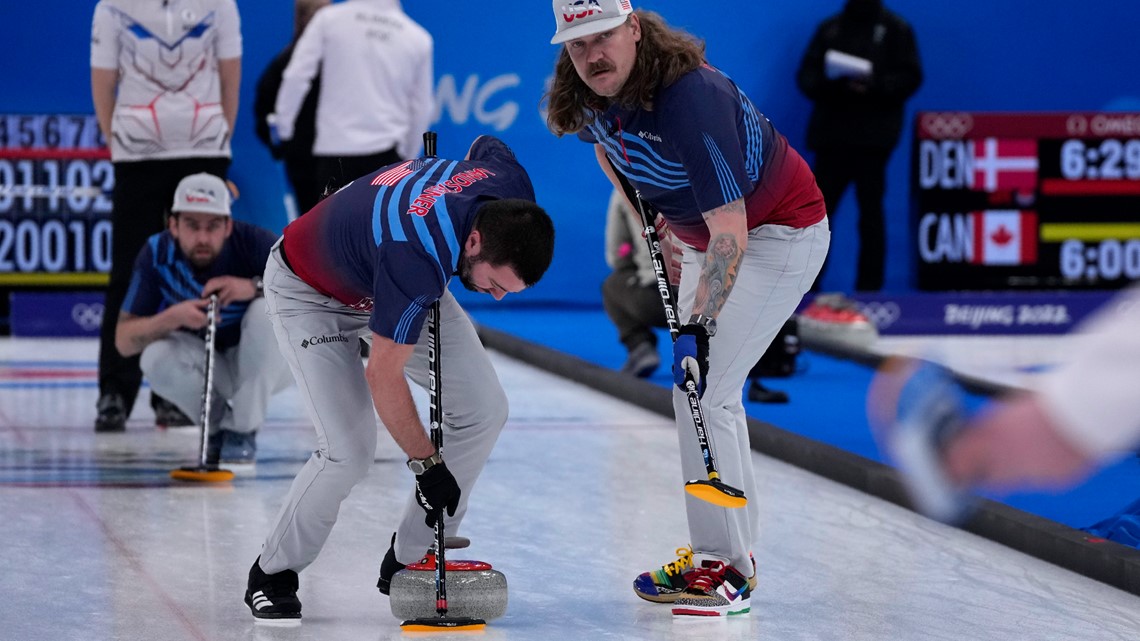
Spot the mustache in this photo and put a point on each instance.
(598, 67)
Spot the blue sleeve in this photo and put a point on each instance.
(701, 117)
(405, 285)
(144, 295)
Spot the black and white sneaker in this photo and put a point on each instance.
(272, 598)
(388, 568)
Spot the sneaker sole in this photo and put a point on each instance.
(661, 598)
(280, 620)
(283, 622)
(725, 611)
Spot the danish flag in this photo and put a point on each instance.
(1005, 237)
(1005, 165)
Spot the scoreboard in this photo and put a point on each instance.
(1026, 200)
(55, 201)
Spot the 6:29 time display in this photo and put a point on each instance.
(1110, 159)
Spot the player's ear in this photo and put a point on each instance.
(473, 244)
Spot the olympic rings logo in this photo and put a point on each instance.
(883, 315)
(947, 124)
(89, 317)
(1077, 125)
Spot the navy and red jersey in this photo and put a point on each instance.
(163, 276)
(390, 241)
(702, 146)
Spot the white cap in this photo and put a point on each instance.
(580, 18)
(202, 193)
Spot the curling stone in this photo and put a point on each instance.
(474, 590)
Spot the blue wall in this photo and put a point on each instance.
(492, 61)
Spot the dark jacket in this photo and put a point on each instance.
(844, 115)
(265, 98)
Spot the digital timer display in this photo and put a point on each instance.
(1034, 201)
(56, 179)
(1110, 159)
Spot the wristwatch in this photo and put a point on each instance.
(707, 322)
(258, 285)
(420, 465)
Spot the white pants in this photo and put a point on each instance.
(779, 266)
(246, 376)
(330, 377)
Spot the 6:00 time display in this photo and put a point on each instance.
(1104, 260)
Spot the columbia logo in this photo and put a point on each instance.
(321, 340)
(645, 135)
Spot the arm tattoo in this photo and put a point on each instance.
(722, 260)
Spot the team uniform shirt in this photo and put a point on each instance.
(389, 242)
(169, 96)
(164, 277)
(703, 146)
(376, 80)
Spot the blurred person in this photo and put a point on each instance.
(164, 81)
(1081, 415)
(300, 165)
(352, 268)
(376, 90)
(859, 69)
(205, 251)
(746, 210)
(629, 292)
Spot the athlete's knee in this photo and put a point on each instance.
(161, 362)
(489, 415)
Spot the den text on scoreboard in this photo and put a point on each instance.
(55, 201)
(1026, 200)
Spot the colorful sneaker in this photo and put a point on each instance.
(716, 590)
(666, 584)
(272, 598)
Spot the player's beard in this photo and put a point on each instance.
(201, 256)
(465, 264)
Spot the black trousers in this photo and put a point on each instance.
(635, 309)
(301, 170)
(334, 172)
(835, 169)
(142, 196)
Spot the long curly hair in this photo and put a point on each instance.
(664, 54)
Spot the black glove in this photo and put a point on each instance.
(692, 345)
(435, 489)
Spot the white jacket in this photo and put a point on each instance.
(1094, 397)
(168, 103)
(376, 80)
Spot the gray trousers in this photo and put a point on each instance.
(245, 376)
(779, 266)
(318, 337)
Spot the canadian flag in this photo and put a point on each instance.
(1005, 237)
(1005, 165)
